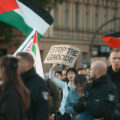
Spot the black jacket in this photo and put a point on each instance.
(38, 90)
(11, 105)
(115, 78)
(99, 98)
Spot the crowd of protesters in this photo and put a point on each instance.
(69, 94)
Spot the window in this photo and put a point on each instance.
(101, 51)
(55, 16)
(105, 17)
(66, 15)
(96, 25)
(86, 19)
(76, 21)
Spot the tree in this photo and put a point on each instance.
(48, 4)
(5, 32)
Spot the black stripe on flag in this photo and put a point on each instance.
(113, 35)
(38, 10)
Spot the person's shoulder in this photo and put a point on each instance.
(37, 82)
(37, 78)
(87, 86)
(111, 84)
(109, 69)
(72, 91)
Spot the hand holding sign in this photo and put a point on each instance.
(63, 54)
(54, 66)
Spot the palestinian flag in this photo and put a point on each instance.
(30, 45)
(25, 16)
(113, 40)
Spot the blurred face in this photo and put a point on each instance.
(82, 72)
(79, 87)
(115, 60)
(64, 74)
(58, 76)
(71, 76)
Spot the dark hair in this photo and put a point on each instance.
(26, 57)
(11, 76)
(115, 50)
(79, 79)
(59, 72)
(80, 69)
(71, 69)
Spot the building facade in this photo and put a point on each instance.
(78, 23)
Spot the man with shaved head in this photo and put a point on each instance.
(98, 69)
(99, 96)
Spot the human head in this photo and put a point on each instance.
(71, 73)
(9, 69)
(10, 74)
(82, 71)
(80, 82)
(98, 69)
(64, 74)
(58, 75)
(115, 59)
(26, 61)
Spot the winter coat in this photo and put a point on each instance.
(39, 95)
(99, 98)
(11, 105)
(115, 78)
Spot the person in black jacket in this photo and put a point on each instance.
(14, 96)
(99, 96)
(113, 74)
(38, 88)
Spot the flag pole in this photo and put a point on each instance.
(24, 43)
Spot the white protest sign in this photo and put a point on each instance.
(63, 54)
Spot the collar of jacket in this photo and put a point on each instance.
(99, 81)
(28, 74)
(112, 73)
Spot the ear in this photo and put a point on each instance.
(25, 66)
(96, 72)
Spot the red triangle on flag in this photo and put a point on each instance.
(113, 42)
(8, 5)
(35, 38)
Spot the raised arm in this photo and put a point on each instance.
(58, 82)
